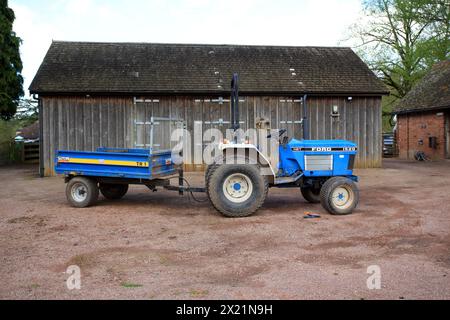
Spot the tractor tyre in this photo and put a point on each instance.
(113, 191)
(339, 195)
(81, 192)
(236, 190)
(209, 169)
(311, 194)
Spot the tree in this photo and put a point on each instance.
(401, 39)
(27, 112)
(11, 80)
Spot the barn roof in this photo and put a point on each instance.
(431, 93)
(92, 67)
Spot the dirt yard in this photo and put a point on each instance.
(162, 246)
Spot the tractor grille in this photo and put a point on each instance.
(318, 162)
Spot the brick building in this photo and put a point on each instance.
(423, 116)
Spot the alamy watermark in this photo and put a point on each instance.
(74, 279)
(374, 280)
(203, 147)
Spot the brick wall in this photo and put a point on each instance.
(413, 131)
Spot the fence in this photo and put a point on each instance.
(10, 152)
(30, 152)
(19, 152)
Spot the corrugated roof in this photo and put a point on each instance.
(89, 67)
(431, 93)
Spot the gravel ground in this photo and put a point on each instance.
(162, 246)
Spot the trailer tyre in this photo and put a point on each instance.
(81, 192)
(339, 195)
(113, 191)
(236, 190)
(311, 194)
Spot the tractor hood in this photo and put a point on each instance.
(322, 145)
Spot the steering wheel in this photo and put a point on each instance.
(280, 133)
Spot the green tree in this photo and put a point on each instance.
(27, 112)
(11, 80)
(402, 39)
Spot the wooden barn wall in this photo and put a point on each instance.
(81, 123)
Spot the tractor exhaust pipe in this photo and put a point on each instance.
(235, 102)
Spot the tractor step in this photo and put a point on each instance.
(286, 180)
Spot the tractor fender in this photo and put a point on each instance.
(241, 153)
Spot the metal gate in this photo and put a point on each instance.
(151, 128)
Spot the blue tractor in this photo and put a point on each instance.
(236, 182)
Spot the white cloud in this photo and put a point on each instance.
(283, 22)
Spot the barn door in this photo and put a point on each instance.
(290, 117)
(215, 114)
(143, 112)
(153, 125)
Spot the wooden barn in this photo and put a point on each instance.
(100, 94)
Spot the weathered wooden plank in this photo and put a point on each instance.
(323, 116)
(96, 132)
(62, 138)
(349, 134)
(87, 124)
(356, 132)
(275, 107)
(378, 132)
(78, 124)
(46, 138)
(370, 125)
(297, 116)
(362, 127)
(313, 121)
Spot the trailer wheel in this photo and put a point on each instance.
(236, 190)
(311, 194)
(339, 195)
(113, 191)
(81, 192)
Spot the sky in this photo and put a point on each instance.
(254, 22)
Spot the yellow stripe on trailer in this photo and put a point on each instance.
(104, 161)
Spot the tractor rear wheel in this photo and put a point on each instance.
(209, 169)
(339, 195)
(311, 194)
(113, 191)
(81, 192)
(236, 190)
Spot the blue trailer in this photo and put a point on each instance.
(236, 182)
(116, 163)
(111, 170)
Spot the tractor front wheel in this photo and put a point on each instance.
(311, 194)
(236, 190)
(339, 195)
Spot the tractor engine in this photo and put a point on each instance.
(317, 158)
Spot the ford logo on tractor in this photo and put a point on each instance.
(321, 149)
